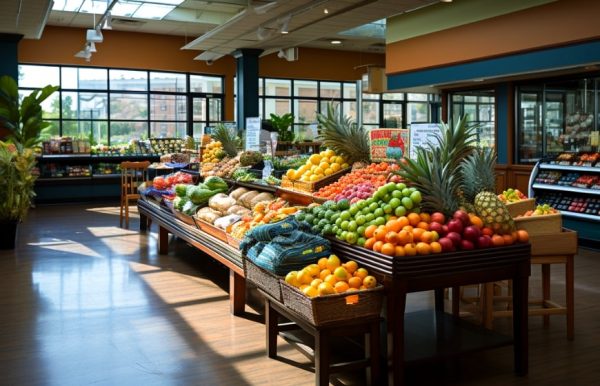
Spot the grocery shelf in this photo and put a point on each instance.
(591, 169)
(571, 189)
(580, 215)
(105, 176)
(52, 179)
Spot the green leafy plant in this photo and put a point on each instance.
(16, 179)
(283, 123)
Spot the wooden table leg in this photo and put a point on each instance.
(237, 293)
(143, 222)
(520, 324)
(163, 241)
(397, 330)
(271, 323)
(487, 305)
(322, 358)
(546, 290)
(374, 351)
(439, 299)
(570, 293)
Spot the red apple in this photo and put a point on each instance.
(445, 229)
(455, 225)
(436, 226)
(455, 237)
(462, 216)
(447, 244)
(484, 241)
(466, 245)
(471, 233)
(438, 217)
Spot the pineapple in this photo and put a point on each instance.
(435, 171)
(344, 136)
(479, 183)
(228, 138)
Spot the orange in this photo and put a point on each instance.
(497, 240)
(324, 273)
(427, 237)
(322, 263)
(404, 237)
(410, 249)
(333, 262)
(423, 248)
(380, 233)
(369, 282)
(417, 233)
(487, 231)
(369, 243)
(403, 221)
(326, 289)
(475, 220)
(331, 280)
(304, 276)
(436, 247)
(361, 273)
(377, 246)
(313, 269)
(392, 237)
(315, 283)
(355, 282)
(508, 239)
(351, 266)
(341, 286)
(399, 251)
(425, 217)
(408, 228)
(393, 226)
(370, 230)
(522, 236)
(341, 274)
(413, 219)
(423, 225)
(388, 249)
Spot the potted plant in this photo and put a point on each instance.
(283, 125)
(24, 123)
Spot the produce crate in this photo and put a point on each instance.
(180, 216)
(210, 229)
(233, 241)
(540, 225)
(322, 310)
(311, 187)
(263, 279)
(562, 243)
(520, 207)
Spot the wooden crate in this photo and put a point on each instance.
(520, 207)
(311, 187)
(540, 225)
(561, 243)
(210, 229)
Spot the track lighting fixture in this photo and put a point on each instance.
(285, 24)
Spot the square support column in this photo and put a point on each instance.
(246, 60)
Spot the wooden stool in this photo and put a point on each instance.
(322, 335)
(133, 174)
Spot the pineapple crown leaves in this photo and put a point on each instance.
(228, 138)
(344, 136)
(478, 172)
(456, 142)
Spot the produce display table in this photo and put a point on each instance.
(407, 274)
(223, 253)
(322, 335)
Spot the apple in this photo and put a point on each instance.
(466, 245)
(455, 237)
(444, 229)
(455, 225)
(438, 217)
(437, 227)
(447, 244)
(462, 216)
(471, 233)
(484, 241)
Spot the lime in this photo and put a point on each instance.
(334, 207)
(343, 204)
(406, 192)
(301, 216)
(322, 222)
(400, 186)
(378, 212)
(344, 235)
(353, 210)
(327, 230)
(360, 219)
(338, 222)
(366, 210)
(387, 198)
(369, 217)
(407, 202)
(335, 229)
(352, 226)
(361, 242)
(329, 213)
(377, 195)
(416, 197)
(400, 211)
(351, 237)
(370, 200)
(397, 194)
(388, 209)
(309, 218)
(373, 207)
(344, 225)
(390, 187)
(345, 215)
(321, 214)
(334, 217)
(388, 217)
(395, 202)
(380, 221)
(362, 204)
(361, 230)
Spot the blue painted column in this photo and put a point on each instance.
(502, 124)
(246, 61)
(9, 64)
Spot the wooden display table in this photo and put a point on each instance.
(322, 336)
(407, 274)
(223, 253)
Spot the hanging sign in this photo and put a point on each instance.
(388, 145)
(253, 125)
(422, 134)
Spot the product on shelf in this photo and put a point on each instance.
(568, 179)
(166, 182)
(250, 158)
(565, 158)
(330, 276)
(511, 195)
(224, 168)
(213, 152)
(317, 167)
(548, 177)
(588, 159)
(571, 203)
(541, 210)
(167, 145)
(586, 181)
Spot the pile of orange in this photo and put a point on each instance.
(330, 276)
(376, 174)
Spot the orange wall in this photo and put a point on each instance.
(162, 52)
(557, 23)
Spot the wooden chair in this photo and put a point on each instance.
(133, 174)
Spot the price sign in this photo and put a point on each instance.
(388, 145)
(423, 135)
(253, 125)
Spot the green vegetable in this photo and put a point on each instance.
(180, 190)
(189, 208)
(201, 196)
(179, 202)
(215, 183)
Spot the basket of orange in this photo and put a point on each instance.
(329, 291)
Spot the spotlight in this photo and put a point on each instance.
(285, 24)
(94, 35)
(84, 54)
(91, 46)
(108, 21)
(325, 11)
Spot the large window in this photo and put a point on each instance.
(114, 106)
(479, 107)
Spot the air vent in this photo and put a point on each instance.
(132, 22)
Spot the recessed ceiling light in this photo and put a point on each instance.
(336, 42)
(325, 11)
(445, 1)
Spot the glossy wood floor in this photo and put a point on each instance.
(85, 302)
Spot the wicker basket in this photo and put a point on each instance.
(263, 279)
(520, 207)
(540, 225)
(322, 310)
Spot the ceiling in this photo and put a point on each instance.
(222, 26)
